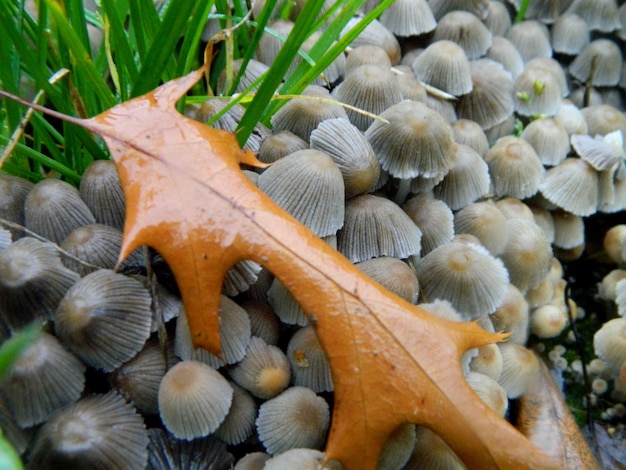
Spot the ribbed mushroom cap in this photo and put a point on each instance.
(167, 452)
(573, 186)
(472, 280)
(239, 422)
(527, 254)
(554, 67)
(546, 11)
(572, 118)
(600, 15)
(515, 168)
(602, 153)
(512, 315)
(297, 418)
(13, 192)
(444, 65)
(488, 361)
(302, 115)
(537, 91)
(285, 306)
(302, 459)
(442, 309)
(397, 448)
(540, 295)
(415, 141)
(442, 105)
(351, 152)
(254, 69)
(432, 452)
(498, 20)
(569, 230)
(513, 208)
(441, 7)
(169, 305)
(614, 243)
(194, 399)
(520, 368)
(489, 391)
(408, 18)
(504, 129)
(468, 132)
(27, 266)
(99, 246)
(18, 438)
(607, 287)
(549, 139)
(491, 100)
(279, 145)
(604, 57)
(372, 88)
(531, 38)
(270, 45)
(308, 185)
(100, 431)
(104, 318)
(434, 218)
(138, 379)
(375, 226)
(376, 33)
(609, 343)
(467, 180)
(486, 222)
(44, 378)
(410, 87)
(309, 365)
(367, 54)
(253, 461)
(263, 321)
(548, 321)
(570, 34)
(101, 189)
(543, 218)
(504, 52)
(466, 30)
(234, 337)
(264, 371)
(603, 119)
(53, 208)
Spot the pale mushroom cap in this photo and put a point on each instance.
(573, 186)
(527, 254)
(498, 20)
(569, 230)
(515, 168)
(512, 315)
(309, 365)
(100, 431)
(601, 153)
(253, 461)
(603, 119)
(53, 208)
(614, 243)
(366, 54)
(477, 7)
(302, 459)
(239, 422)
(489, 391)
(520, 369)
(434, 218)
(285, 306)
(444, 65)
(466, 275)
(375, 226)
(467, 180)
(104, 318)
(431, 451)
(554, 67)
(416, 141)
(193, 399)
(466, 30)
(297, 418)
(600, 15)
(572, 118)
(397, 448)
(607, 61)
(504, 51)
(570, 34)
(609, 343)
(44, 378)
(376, 33)
(543, 218)
(549, 139)
(531, 38)
(548, 321)
(468, 132)
(485, 221)
(101, 189)
(408, 18)
(165, 451)
(309, 185)
(350, 151)
(279, 145)
(491, 100)
(488, 361)
(369, 87)
(96, 244)
(536, 91)
(263, 321)
(620, 298)
(264, 371)
(13, 192)
(513, 208)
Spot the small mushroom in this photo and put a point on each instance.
(434, 218)
(445, 66)
(531, 38)
(165, 451)
(239, 422)
(13, 192)
(570, 34)
(520, 368)
(101, 189)
(309, 365)
(408, 18)
(466, 30)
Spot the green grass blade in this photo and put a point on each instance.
(301, 31)
(144, 21)
(188, 55)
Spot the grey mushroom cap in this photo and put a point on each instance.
(600, 15)
(165, 451)
(408, 18)
(13, 192)
(444, 65)
(466, 30)
(601, 57)
(570, 34)
(531, 38)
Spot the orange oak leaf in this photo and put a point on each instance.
(544, 417)
(391, 362)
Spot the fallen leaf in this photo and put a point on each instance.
(391, 362)
(544, 418)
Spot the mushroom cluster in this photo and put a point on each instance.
(464, 186)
